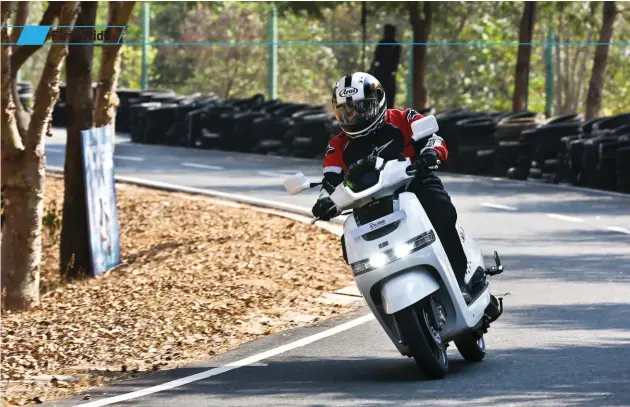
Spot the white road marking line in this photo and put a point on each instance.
(204, 166)
(55, 150)
(618, 229)
(564, 217)
(273, 174)
(498, 206)
(233, 365)
(128, 158)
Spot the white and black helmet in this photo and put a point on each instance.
(359, 104)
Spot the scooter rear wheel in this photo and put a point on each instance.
(420, 334)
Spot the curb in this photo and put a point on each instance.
(259, 202)
(344, 296)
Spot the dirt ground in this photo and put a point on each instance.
(197, 279)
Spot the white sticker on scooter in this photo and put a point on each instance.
(378, 223)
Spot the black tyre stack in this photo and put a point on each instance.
(476, 146)
(447, 121)
(507, 135)
(25, 93)
(541, 147)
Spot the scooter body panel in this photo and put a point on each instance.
(433, 262)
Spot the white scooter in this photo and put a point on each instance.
(401, 268)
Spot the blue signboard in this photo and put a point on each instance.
(98, 151)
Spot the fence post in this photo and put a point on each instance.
(549, 85)
(273, 52)
(410, 75)
(145, 45)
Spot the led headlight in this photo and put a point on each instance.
(402, 250)
(389, 256)
(378, 260)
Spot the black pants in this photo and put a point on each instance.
(442, 214)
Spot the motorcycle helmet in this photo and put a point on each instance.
(359, 104)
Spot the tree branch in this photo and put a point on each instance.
(22, 53)
(106, 101)
(10, 133)
(48, 89)
(20, 19)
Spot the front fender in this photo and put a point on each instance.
(406, 289)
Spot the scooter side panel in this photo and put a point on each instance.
(473, 254)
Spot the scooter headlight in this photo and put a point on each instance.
(378, 260)
(389, 256)
(403, 250)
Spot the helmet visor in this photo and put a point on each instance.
(356, 116)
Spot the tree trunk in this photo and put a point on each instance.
(582, 74)
(10, 135)
(106, 102)
(421, 25)
(74, 256)
(596, 84)
(521, 75)
(24, 187)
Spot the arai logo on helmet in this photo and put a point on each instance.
(347, 92)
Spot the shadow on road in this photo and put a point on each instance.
(573, 375)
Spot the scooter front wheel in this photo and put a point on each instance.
(421, 335)
(473, 349)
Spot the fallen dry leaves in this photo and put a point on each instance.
(198, 279)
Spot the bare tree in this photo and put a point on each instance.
(596, 84)
(421, 25)
(23, 182)
(74, 256)
(521, 75)
(83, 113)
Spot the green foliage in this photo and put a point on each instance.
(51, 221)
(478, 77)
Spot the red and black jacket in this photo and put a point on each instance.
(390, 140)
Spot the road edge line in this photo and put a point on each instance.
(232, 365)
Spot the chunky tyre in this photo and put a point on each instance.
(425, 343)
(471, 348)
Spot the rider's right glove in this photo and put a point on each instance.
(324, 208)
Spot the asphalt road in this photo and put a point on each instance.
(564, 339)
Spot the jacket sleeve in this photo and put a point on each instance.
(334, 167)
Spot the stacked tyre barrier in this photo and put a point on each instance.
(521, 145)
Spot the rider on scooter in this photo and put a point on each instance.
(368, 126)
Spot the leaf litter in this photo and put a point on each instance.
(197, 279)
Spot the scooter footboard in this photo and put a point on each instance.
(407, 288)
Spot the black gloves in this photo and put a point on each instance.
(428, 161)
(324, 208)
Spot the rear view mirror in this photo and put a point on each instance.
(424, 127)
(296, 184)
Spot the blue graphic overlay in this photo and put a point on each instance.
(33, 35)
(68, 35)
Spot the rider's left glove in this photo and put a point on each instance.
(324, 208)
